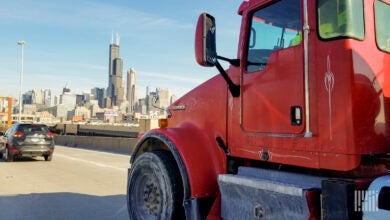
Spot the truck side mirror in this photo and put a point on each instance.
(205, 41)
(206, 52)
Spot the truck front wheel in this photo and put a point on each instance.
(154, 190)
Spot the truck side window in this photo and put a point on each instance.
(340, 18)
(273, 27)
(382, 25)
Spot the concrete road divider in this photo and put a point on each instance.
(110, 144)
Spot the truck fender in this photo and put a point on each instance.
(199, 160)
(156, 141)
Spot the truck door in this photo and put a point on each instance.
(273, 74)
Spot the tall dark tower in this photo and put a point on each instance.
(115, 91)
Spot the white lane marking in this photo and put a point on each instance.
(91, 162)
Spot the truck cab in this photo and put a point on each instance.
(297, 127)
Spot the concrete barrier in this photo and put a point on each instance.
(110, 144)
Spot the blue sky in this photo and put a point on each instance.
(67, 42)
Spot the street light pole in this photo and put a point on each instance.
(21, 43)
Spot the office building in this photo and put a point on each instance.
(98, 94)
(132, 95)
(115, 90)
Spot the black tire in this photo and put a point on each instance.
(48, 157)
(154, 188)
(8, 157)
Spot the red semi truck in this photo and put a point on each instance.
(297, 127)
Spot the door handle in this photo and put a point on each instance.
(296, 115)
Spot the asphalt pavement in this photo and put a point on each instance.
(76, 184)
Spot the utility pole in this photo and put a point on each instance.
(21, 43)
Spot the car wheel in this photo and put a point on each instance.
(8, 157)
(48, 157)
(154, 189)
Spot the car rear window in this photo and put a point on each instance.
(33, 128)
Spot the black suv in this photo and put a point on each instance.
(27, 139)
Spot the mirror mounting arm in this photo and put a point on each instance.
(205, 50)
(234, 62)
(233, 88)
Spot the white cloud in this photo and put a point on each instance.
(178, 84)
(84, 14)
(150, 39)
(172, 77)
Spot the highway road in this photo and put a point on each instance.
(76, 184)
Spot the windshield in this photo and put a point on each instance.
(340, 18)
(382, 25)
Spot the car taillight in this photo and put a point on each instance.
(50, 134)
(18, 134)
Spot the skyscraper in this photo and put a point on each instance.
(115, 91)
(157, 100)
(47, 97)
(40, 97)
(163, 97)
(132, 94)
(98, 93)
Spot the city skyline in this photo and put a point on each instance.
(66, 43)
